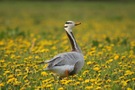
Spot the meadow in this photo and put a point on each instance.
(31, 32)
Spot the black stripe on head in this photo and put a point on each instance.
(65, 26)
(68, 23)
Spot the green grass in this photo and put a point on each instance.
(31, 32)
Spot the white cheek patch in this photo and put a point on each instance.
(68, 29)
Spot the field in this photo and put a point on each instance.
(31, 32)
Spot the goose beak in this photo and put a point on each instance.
(78, 23)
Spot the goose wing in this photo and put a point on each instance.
(69, 58)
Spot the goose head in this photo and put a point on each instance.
(69, 25)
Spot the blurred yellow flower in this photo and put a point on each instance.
(87, 81)
(1, 84)
(129, 88)
(96, 68)
(61, 88)
(89, 87)
(116, 57)
(2, 61)
(128, 72)
(11, 80)
(37, 57)
(124, 83)
(44, 73)
(89, 63)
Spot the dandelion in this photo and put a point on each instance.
(44, 50)
(108, 81)
(61, 88)
(6, 72)
(77, 83)
(89, 63)
(1, 84)
(98, 88)
(11, 80)
(129, 88)
(133, 79)
(89, 87)
(10, 76)
(87, 81)
(128, 72)
(16, 83)
(109, 61)
(124, 83)
(44, 74)
(49, 86)
(54, 48)
(96, 68)
(2, 61)
(116, 57)
(92, 80)
(37, 57)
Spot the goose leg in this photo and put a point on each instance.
(67, 73)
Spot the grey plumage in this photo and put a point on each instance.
(70, 61)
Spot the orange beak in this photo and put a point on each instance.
(78, 23)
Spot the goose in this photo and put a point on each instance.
(67, 63)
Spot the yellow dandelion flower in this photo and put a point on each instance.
(1, 43)
(123, 57)
(87, 81)
(89, 87)
(86, 71)
(23, 88)
(10, 76)
(116, 57)
(12, 56)
(44, 73)
(133, 79)
(77, 83)
(108, 81)
(100, 53)
(96, 68)
(45, 66)
(109, 61)
(92, 80)
(2, 61)
(129, 89)
(25, 77)
(1, 84)
(37, 57)
(124, 83)
(91, 53)
(16, 83)
(54, 48)
(6, 72)
(117, 81)
(107, 86)
(98, 88)
(26, 81)
(11, 80)
(49, 86)
(132, 44)
(85, 57)
(61, 88)
(89, 63)
(128, 72)
(44, 50)
(27, 69)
